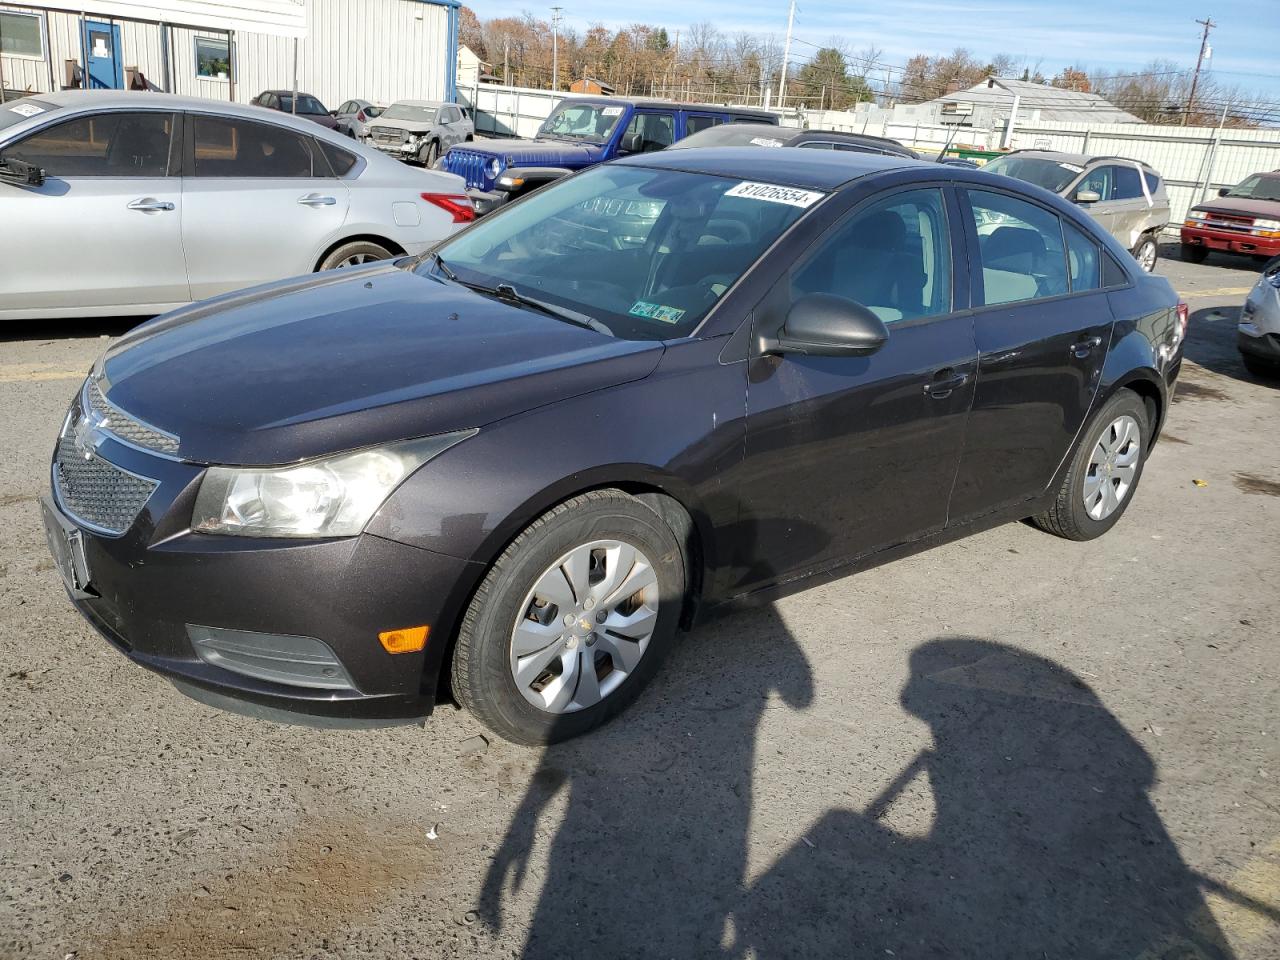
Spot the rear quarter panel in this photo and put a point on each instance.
(1146, 344)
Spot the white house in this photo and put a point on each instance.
(380, 50)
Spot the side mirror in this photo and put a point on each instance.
(333, 113)
(20, 172)
(1223, 191)
(822, 325)
(633, 143)
(1088, 196)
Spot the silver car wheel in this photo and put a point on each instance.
(356, 259)
(1113, 466)
(1147, 256)
(584, 626)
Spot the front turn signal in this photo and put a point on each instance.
(407, 640)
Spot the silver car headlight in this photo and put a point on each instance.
(329, 497)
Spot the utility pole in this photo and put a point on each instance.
(1208, 25)
(506, 61)
(786, 55)
(555, 47)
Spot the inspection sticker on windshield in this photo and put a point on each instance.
(1072, 167)
(611, 112)
(655, 311)
(26, 109)
(765, 142)
(772, 193)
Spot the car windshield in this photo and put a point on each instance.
(1257, 187)
(305, 104)
(15, 111)
(593, 122)
(645, 252)
(1053, 175)
(409, 111)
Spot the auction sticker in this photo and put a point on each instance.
(772, 193)
(765, 142)
(655, 311)
(26, 109)
(611, 112)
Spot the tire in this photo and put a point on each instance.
(353, 254)
(1194, 254)
(1260, 368)
(1146, 252)
(1069, 516)
(484, 657)
(429, 154)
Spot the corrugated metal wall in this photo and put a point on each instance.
(372, 49)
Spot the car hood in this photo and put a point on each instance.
(1241, 207)
(350, 358)
(532, 153)
(413, 126)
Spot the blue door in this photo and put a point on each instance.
(101, 42)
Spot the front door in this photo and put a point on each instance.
(1043, 329)
(101, 42)
(259, 204)
(846, 455)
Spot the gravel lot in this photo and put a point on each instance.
(996, 748)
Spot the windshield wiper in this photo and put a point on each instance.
(506, 291)
(443, 267)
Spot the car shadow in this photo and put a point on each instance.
(1045, 841)
(1211, 343)
(68, 329)
(1245, 263)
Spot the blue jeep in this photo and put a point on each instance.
(581, 132)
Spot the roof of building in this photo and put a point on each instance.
(1054, 103)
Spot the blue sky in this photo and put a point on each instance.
(1104, 33)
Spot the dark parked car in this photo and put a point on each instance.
(579, 133)
(766, 135)
(508, 471)
(309, 108)
(1244, 219)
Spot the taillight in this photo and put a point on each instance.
(1184, 318)
(360, 116)
(458, 205)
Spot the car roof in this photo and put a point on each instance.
(790, 166)
(1079, 159)
(289, 93)
(765, 116)
(421, 103)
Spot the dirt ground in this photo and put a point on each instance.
(1010, 746)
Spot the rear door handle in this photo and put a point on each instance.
(1085, 347)
(150, 205)
(315, 200)
(942, 386)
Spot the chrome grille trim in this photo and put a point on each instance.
(93, 492)
(125, 427)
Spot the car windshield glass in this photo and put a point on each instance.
(15, 111)
(409, 111)
(305, 104)
(646, 252)
(1257, 188)
(1053, 175)
(581, 121)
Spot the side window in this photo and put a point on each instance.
(1020, 247)
(1098, 180)
(1084, 260)
(340, 160)
(345, 108)
(655, 130)
(893, 257)
(696, 122)
(105, 145)
(1126, 185)
(240, 148)
(817, 145)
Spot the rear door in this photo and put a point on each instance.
(846, 455)
(260, 202)
(104, 229)
(697, 122)
(1043, 326)
(1130, 205)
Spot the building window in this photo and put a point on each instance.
(20, 36)
(213, 58)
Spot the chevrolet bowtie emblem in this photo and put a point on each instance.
(88, 433)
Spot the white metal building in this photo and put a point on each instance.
(379, 50)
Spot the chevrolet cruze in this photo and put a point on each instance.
(510, 471)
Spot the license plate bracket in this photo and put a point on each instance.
(66, 544)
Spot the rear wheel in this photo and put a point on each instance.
(572, 620)
(1146, 252)
(1104, 472)
(353, 254)
(1193, 253)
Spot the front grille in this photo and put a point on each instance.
(470, 166)
(97, 493)
(389, 134)
(116, 421)
(1225, 221)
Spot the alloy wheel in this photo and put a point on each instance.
(1147, 257)
(584, 627)
(356, 259)
(1113, 466)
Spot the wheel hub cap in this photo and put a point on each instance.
(1113, 466)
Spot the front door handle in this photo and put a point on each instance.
(315, 200)
(944, 383)
(1085, 347)
(150, 205)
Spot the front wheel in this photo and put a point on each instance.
(429, 154)
(353, 254)
(1194, 253)
(1146, 253)
(1104, 472)
(572, 620)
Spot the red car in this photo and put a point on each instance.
(309, 107)
(1244, 219)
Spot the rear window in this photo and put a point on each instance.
(15, 111)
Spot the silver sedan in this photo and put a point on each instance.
(1259, 333)
(136, 203)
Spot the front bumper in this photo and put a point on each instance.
(1264, 346)
(401, 151)
(144, 590)
(1230, 242)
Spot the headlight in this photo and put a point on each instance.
(493, 168)
(1197, 215)
(330, 497)
(1266, 228)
